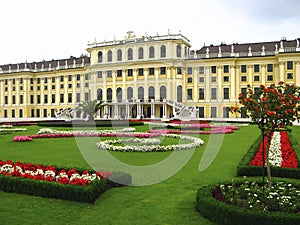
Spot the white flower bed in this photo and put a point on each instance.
(154, 147)
(52, 131)
(9, 130)
(275, 158)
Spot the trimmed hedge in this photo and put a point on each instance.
(97, 123)
(224, 214)
(244, 168)
(88, 193)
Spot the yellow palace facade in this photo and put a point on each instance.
(147, 77)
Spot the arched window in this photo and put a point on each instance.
(129, 54)
(129, 93)
(151, 92)
(109, 56)
(151, 52)
(141, 93)
(109, 94)
(178, 51)
(119, 55)
(179, 93)
(141, 53)
(119, 94)
(99, 94)
(162, 51)
(163, 93)
(100, 57)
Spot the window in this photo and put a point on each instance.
(119, 94)
(201, 112)
(189, 94)
(109, 94)
(256, 68)
(13, 113)
(86, 96)
(109, 56)
(225, 112)
(69, 77)
(179, 93)
(162, 51)
(53, 79)
(214, 79)
(243, 78)
(31, 99)
(46, 99)
(109, 73)
(86, 85)
(189, 70)
(99, 74)
(201, 79)
(151, 52)
(213, 112)
(213, 69)
(100, 57)
(162, 70)
(5, 113)
(151, 71)
(99, 94)
(61, 78)
(31, 81)
(179, 70)
(289, 65)
(21, 80)
(256, 90)
(69, 97)
(214, 93)
(289, 76)
(151, 92)
(141, 93)
(201, 93)
(77, 77)
(61, 86)
(61, 98)
(21, 99)
(141, 71)
(38, 97)
(119, 55)
(21, 113)
(226, 69)
(86, 76)
(45, 112)
(178, 51)
(141, 53)
(38, 81)
(77, 97)
(244, 91)
(53, 87)
(119, 73)
(45, 80)
(201, 70)
(226, 78)
(256, 78)
(45, 87)
(13, 81)
(129, 93)
(129, 54)
(5, 99)
(270, 68)
(13, 99)
(129, 72)
(190, 80)
(6, 81)
(163, 93)
(226, 93)
(53, 98)
(77, 85)
(270, 78)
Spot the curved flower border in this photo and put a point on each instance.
(195, 142)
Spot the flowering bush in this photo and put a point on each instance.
(49, 173)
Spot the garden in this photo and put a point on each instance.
(46, 179)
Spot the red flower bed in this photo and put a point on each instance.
(49, 173)
(289, 157)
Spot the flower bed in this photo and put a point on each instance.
(243, 202)
(154, 147)
(50, 181)
(284, 165)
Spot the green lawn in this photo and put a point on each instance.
(168, 202)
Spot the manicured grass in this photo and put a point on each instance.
(168, 202)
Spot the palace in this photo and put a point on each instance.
(147, 77)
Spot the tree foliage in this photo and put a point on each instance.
(90, 107)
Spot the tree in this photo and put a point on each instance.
(90, 107)
(271, 108)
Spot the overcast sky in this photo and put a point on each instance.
(35, 30)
